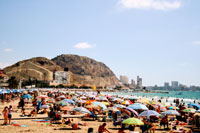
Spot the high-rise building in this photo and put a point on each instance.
(133, 83)
(124, 80)
(166, 85)
(174, 84)
(139, 83)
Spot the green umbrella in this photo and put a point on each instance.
(189, 110)
(133, 121)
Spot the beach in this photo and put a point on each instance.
(36, 124)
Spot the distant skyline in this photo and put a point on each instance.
(159, 40)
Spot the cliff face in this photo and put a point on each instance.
(86, 70)
(36, 68)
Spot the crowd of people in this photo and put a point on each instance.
(50, 103)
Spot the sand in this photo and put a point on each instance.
(46, 127)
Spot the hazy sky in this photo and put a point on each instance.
(156, 39)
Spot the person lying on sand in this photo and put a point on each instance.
(33, 113)
(66, 121)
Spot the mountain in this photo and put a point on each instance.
(36, 68)
(83, 70)
(86, 70)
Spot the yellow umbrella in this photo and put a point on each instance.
(143, 100)
(105, 103)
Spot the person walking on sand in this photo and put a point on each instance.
(10, 114)
(5, 115)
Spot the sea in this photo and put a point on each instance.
(186, 96)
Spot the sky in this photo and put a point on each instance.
(159, 40)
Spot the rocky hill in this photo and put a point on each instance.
(83, 70)
(86, 70)
(36, 68)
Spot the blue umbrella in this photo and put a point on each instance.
(138, 106)
(194, 105)
(27, 96)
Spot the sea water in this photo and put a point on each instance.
(186, 96)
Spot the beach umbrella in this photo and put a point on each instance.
(138, 106)
(119, 106)
(126, 111)
(66, 108)
(51, 100)
(149, 113)
(42, 96)
(116, 99)
(194, 105)
(113, 109)
(127, 102)
(172, 107)
(80, 101)
(170, 112)
(131, 110)
(27, 96)
(105, 103)
(101, 98)
(62, 97)
(66, 101)
(133, 121)
(152, 103)
(83, 97)
(81, 110)
(162, 107)
(189, 110)
(91, 106)
(143, 100)
(89, 101)
(44, 107)
(99, 104)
